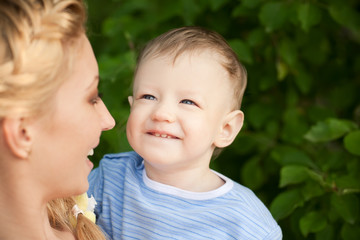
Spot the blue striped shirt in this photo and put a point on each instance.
(132, 206)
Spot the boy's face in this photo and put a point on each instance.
(178, 110)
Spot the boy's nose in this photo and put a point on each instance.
(163, 112)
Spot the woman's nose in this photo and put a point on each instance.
(107, 121)
(163, 112)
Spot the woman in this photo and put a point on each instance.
(51, 118)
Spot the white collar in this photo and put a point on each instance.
(167, 189)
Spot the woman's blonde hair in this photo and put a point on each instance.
(38, 41)
(60, 211)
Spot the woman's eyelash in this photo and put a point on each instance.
(97, 98)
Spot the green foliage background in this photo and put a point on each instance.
(299, 150)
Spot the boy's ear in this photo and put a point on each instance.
(131, 100)
(231, 127)
(16, 137)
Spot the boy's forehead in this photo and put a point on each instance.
(194, 68)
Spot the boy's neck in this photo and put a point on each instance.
(193, 180)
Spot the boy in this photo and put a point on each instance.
(187, 93)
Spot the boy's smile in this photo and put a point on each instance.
(162, 134)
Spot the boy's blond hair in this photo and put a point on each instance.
(194, 40)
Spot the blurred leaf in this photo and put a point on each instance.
(252, 174)
(245, 143)
(273, 15)
(242, 50)
(352, 142)
(348, 89)
(288, 52)
(285, 203)
(216, 4)
(329, 129)
(251, 3)
(295, 125)
(317, 113)
(345, 15)
(317, 48)
(304, 81)
(258, 114)
(282, 70)
(348, 183)
(350, 232)
(309, 15)
(256, 37)
(347, 206)
(312, 222)
(326, 234)
(311, 190)
(287, 155)
(293, 174)
(190, 10)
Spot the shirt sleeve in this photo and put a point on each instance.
(275, 234)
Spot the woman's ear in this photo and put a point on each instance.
(131, 100)
(16, 136)
(232, 125)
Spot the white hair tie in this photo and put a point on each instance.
(76, 210)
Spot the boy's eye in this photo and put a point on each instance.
(148, 97)
(187, 101)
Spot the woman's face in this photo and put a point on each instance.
(65, 136)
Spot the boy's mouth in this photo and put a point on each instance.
(162, 135)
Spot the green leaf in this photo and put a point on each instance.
(329, 129)
(311, 190)
(288, 155)
(308, 15)
(288, 51)
(273, 15)
(348, 183)
(303, 80)
(216, 4)
(347, 206)
(318, 113)
(282, 70)
(252, 174)
(352, 142)
(251, 3)
(295, 124)
(345, 15)
(293, 174)
(258, 114)
(285, 203)
(256, 37)
(242, 50)
(350, 232)
(312, 222)
(327, 233)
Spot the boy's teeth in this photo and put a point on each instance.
(91, 152)
(162, 135)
